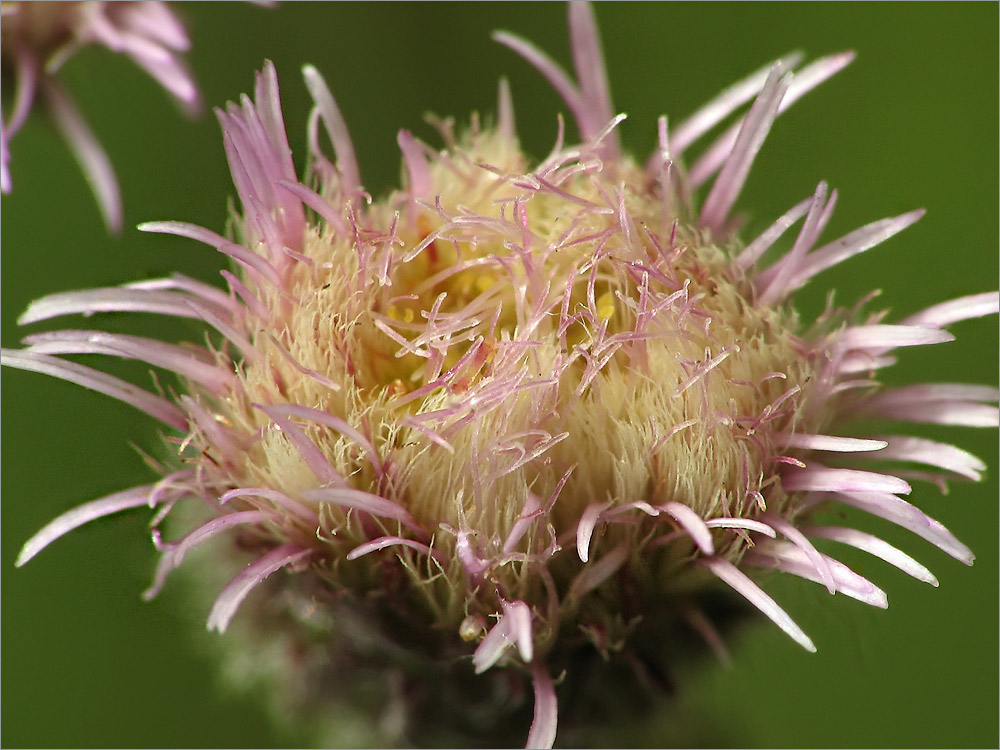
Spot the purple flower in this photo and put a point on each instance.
(39, 37)
(521, 400)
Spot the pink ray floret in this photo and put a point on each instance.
(792, 559)
(174, 552)
(731, 575)
(544, 722)
(82, 514)
(237, 590)
(873, 546)
(155, 406)
(933, 453)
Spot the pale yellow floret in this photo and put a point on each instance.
(666, 418)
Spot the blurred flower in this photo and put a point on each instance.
(518, 416)
(39, 37)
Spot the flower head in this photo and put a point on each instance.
(529, 408)
(37, 40)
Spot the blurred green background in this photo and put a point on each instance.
(913, 122)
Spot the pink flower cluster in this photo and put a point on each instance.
(526, 389)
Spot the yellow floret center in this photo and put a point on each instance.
(508, 335)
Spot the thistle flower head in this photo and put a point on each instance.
(524, 407)
(37, 40)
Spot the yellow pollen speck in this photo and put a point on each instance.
(606, 306)
(405, 315)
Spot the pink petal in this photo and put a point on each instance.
(751, 137)
(317, 203)
(505, 111)
(773, 283)
(6, 185)
(544, 722)
(740, 523)
(237, 589)
(172, 75)
(310, 452)
(229, 331)
(416, 165)
(823, 479)
(251, 300)
(223, 438)
(555, 75)
(88, 152)
(156, 21)
(513, 627)
(531, 510)
(873, 546)
(520, 630)
(174, 552)
(828, 443)
(806, 79)
(78, 516)
(862, 361)
(851, 244)
(759, 246)
(253, 262)
(911, 518)
(890, 337)
(585, 528)
(376, 505)
(237, 154)
(112, 299)
(812, 556)
(278, 498)
(693, 524)
(328, 420)
(268, 106)
(815, 73)
(266, 112)
(336, 128)
(155, 406)
(188, 362)
(932, 453)
(931, 392)
(26, 70)
(199, 290)
(597, 572)
(184, 229)
(387, 541)
(492, 647)
(952, 311)
(715, 111)
(588, 59)
(468, 555)
(702, 625)
(728, 573)
(256, 166)
(791, 559)
(941, 403)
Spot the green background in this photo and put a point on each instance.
(913, 122)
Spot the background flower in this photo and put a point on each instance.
(39, 38)
(893, 132)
